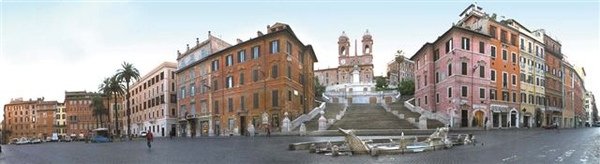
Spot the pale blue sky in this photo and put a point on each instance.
(49, 47)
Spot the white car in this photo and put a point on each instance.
(143, 134)
(23, 141)
(36, 141)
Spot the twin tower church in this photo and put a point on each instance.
(355, 69)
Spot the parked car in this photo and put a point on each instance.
(67, 139)
(143, 134)
(36, 141)
(14, 141)
(597, 124)
(23, 141)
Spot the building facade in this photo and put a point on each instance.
(153, 102)
(398, 71)
(60, 118)
(352, 68)
(29, 118)
(569, 95)
(79, 112)
(254, 83)
(532, 74)
(553, 82)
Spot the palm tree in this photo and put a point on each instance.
(127, 74)
(116, 90)
(99, 108)
(104, 88)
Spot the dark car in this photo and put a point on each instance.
(597, 124)
(100, 139)
(553, 126)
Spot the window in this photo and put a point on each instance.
(437, 77)
(464, 91)
(425, 80)
(289, 71)
(242, 103)
(464, 68)
(229, 60)
(241, 56)
(241, 78)
(437, 98)
(192, 89)
(182, 93)
(481, 47)
(275, 98)
(255, 52)
(255, 100)
(493, 51)
(215, 85)
(288, 48)
(504, 79)
(482, 93)
(274, 46)
(514, 97)
(493, 75)
(449, 46)
(503, 36)
(215, 65)
(504, 55)
(466, 43)
(492, 94)
(229, 81)
(274, 72)
(514, 79)
(529, 47)
(493, 32)
(289, 95)
(255, 75)
(450, 69)
(522, 44)
(436, 54)
(482, 71)
(425, 100)
(230, 104)
(523, 97)
(449, 92)
(514, 57)
(513, 39)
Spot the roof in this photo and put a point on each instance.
(454, 27)
(287, 29)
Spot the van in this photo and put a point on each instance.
(54, 137)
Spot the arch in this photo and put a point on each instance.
(479, 118)
(514, 118)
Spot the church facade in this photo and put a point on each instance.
(352, 69)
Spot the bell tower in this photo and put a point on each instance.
(367, 43)
(343, 45)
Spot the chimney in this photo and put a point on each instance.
(178, 53)
(197, 41)
(209, 34)
(259, 33)
(239, 41)
(188, 47)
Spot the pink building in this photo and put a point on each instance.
(452, 75)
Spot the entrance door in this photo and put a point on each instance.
(217, 127)
(526, 121)
(193, 128)
(504, 119)
(513, 119)
(243, 125)
(464, 118)
(173, 129)
(478, 119)
(162, 131)
(496, 119)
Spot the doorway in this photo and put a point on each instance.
(162, 131)
(478, 119)
(513, 119)
(496, 119)
(243, 125)
(464, 118)
(173, 129)
(526, 121)
(193, 128)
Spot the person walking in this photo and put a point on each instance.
(149, 139)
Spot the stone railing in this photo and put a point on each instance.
(306, 117)
(429, 115)
(413, 121)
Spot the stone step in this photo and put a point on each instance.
(370, 116)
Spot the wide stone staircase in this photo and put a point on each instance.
(331, 109)
(370, 116)
(401, 109)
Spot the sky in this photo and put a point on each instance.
(49, 47)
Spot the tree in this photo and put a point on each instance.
(98, 109)
(116, 89)
(319, 89)
(407, 87)
(127, 74)
(381, 83)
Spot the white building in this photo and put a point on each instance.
(60, 120)
(153, 102)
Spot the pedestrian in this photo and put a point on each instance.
(149, 139)
(557, 126)
(268, 131)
